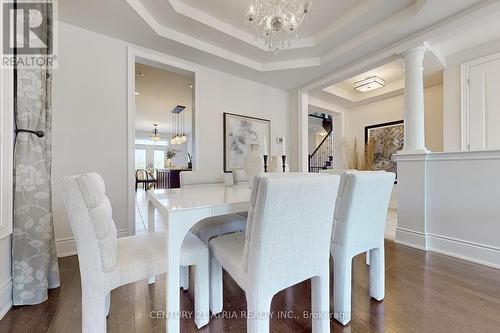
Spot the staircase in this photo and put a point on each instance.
(322, 157)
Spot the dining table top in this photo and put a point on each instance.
(198, 196)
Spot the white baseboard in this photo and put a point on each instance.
(5, 297)
(470, 251)
(411, 238)
(67, 247)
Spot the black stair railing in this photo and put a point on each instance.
(322, 156)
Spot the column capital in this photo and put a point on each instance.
(417, 51)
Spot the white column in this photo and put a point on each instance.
(414, 140)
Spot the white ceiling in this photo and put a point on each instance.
(233, 11)
(339, 32)
(159, 92)
(344, 94)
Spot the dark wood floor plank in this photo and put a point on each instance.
(425, 292)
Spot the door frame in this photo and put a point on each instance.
(465, 93)
(134, 54)
(6, 150)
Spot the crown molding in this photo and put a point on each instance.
(442, 27)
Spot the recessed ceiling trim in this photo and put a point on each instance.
(359, 11)
(213, 22)
(376, 30)
(418, 38)
(189, 40)
(359, 97)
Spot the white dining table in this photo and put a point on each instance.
(181, 209)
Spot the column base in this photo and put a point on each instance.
(413, 151)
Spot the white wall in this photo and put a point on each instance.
(392, 109)
(90, 118)
(5, 276)
(6, 178)
(448, 203)
(315, 128)
(452, 94)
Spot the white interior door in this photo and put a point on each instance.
(484, 105)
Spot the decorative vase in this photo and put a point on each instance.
(168, 163)
(253, 163)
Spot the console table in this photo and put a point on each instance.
(168, 178)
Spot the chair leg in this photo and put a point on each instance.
(258, 313)
(342, 270)
(377, 273)
(216, 286)
(201, 291)
(185, 278)
(320, 302)
(367, 258)
(93, 312)
(107, 303)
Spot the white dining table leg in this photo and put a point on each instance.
(177, 226)
(151, 228)
(175, 236)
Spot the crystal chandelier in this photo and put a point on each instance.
(277, 21)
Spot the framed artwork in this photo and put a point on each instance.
(388, 139)
(240, 132)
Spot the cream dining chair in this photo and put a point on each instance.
(359, 223)
(287, 241)
(107, 262)
(210, 227)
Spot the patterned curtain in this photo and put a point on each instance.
(34, 260)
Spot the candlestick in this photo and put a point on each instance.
(265, 162)
(283, 158)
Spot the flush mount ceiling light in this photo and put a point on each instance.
(139, 74)
(369, 84)
(277, 22)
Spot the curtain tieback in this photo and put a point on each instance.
(39, 134)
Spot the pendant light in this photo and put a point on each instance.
(155, 135)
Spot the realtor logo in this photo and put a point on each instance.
(28, 34)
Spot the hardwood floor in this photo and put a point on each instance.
(425, 292)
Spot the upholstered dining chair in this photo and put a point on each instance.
(211, 227)
(359, 223)
(107, 262)
(287, 241)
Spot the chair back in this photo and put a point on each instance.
(361, 210)
(90, 217)
(193, 178)
(289, 227)
(141, 174)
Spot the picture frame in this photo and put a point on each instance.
(239, 133)
(389, 139)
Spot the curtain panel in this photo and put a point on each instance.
(34, 259)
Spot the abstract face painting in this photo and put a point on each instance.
(240, 132)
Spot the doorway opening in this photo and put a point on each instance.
(162, 102)
(321, 141)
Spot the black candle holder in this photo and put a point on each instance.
(283, 158)
(265, 162)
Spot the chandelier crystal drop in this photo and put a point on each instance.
(277, 22)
